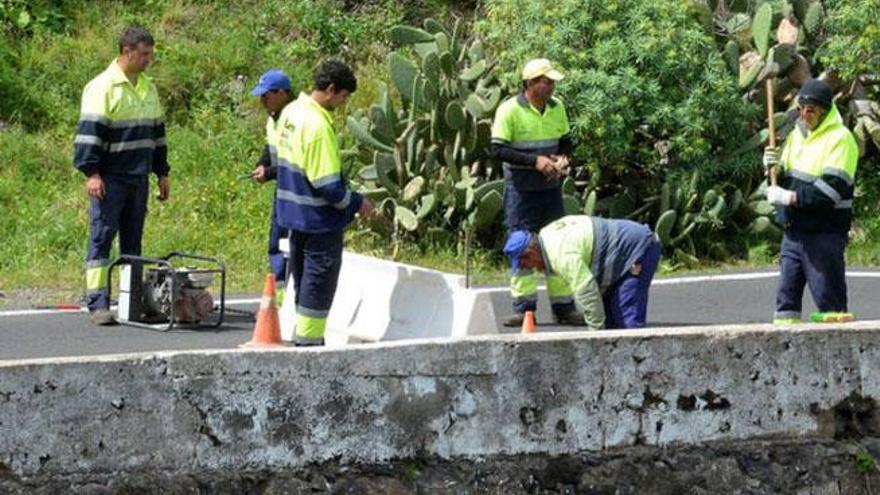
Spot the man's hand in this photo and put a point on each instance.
(563, 164)
(366, 210)
(771, 157)
(780, 197)
(164, 188)
(547, 167)
(260, 173)
(95, 186)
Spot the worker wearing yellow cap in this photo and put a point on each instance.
(530, 136)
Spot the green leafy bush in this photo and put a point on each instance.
(639, 73)
(854, 45)
(653, 103)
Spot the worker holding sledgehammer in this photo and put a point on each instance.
(814, 197)
(273, 89)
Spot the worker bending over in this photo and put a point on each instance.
(607, 263)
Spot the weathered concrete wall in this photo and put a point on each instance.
(476, 400)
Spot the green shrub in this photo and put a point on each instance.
(853, 46)
(655, 110)
(639, 73)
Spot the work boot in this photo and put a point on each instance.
(102, 317)
(570, 319)
(513, 320)
(786, 321)
(832, 317)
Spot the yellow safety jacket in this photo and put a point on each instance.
(312, 194)
(522, 127)
(121, 128)
(820, 166)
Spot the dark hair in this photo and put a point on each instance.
(134, 35)
(336, 73)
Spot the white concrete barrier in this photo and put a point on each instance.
(379, 300)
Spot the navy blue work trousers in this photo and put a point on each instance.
(314, 264)
(123, 210)
(531, 210)
(815, 259)
(626, 302)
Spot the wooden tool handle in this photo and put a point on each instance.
(771, 127)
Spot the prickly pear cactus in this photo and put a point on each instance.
(428, 150)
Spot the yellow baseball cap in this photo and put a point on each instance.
(540, 67)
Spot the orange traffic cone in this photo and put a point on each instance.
(267, 331)
(528, 325)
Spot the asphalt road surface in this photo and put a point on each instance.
(694, 300)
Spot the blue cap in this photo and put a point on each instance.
(516, 244)
(271, 80)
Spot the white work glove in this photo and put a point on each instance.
(771, 157)
(779, 196)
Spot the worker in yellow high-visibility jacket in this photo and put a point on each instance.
(814, 196)
(120, 140)
(532, 139)
(313, 200)
(274, 91)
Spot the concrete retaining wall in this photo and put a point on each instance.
(480, 398)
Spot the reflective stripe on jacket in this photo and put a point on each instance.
(820, 166)
(121, 128)
(312, 194)
(522, 127)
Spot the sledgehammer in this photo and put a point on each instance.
(767, 74)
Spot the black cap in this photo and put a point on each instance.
(816, 92)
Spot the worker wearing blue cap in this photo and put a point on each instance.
(532, 140)
(273, 89)
(607, 263)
